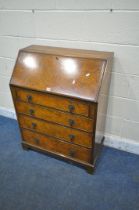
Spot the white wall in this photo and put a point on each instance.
(88, 24)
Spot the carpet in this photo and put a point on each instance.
(34, 181)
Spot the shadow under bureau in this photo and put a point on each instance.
(60, 96)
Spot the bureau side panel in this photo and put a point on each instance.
(102, 102)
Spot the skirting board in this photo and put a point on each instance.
(7, 113)
(128, 145)
(117, 142)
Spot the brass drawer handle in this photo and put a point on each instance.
(29, 98)
(71, 137)
(36, 141)
(31, 112)
(72, 153)
(71, 122)
(71, 108)
(34, 125)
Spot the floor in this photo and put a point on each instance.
(33, 181)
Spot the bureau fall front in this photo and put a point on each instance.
(60, 97)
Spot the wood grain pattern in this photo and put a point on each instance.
(62, 75)
(51, 129)
(56, 116)
(52, 144)
(53, 101)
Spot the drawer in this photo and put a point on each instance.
(55, 130)
(57, 146)
(53, 101)
(56, 116)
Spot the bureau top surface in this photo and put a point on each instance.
(61, 71)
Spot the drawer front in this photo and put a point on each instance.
(54, 145)
(58, 131)
(56, 116)
(53, 101)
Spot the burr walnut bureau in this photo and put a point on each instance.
(60, 96)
